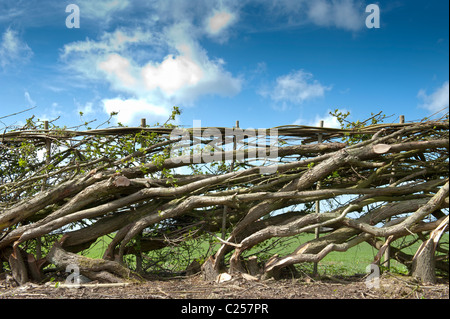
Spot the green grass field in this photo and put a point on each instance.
(353, 261)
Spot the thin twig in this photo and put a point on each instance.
(3, 117)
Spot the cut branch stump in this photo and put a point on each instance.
(423, 264)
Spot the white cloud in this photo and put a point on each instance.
(343, 14)
(130, 109)
(189, 73)
(296, 87)
(109, 42)
(437, 100)
(172, 74)
(182, 76)
(118, 70)
(84, 57)
(119, 40)
(219, 21)
(30, 101)
(13, 50)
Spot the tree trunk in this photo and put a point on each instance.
(424, 262)
(18, 267)
(423, 265)
(211, 269)
(24, 266)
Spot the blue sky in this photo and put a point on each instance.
(264, 63)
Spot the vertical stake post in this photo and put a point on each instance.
(143, 140)
(225, 208)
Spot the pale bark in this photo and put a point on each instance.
(94, 269)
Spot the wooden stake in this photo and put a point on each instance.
(225, 208)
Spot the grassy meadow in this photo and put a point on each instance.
(353, 261)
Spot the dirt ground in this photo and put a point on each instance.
(194, 287)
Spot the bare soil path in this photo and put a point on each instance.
(390, 287)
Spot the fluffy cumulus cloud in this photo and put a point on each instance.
(118, 71)
(295, 88)
(13, 50)
(129, 109)
(437, 100)
(154, 84)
